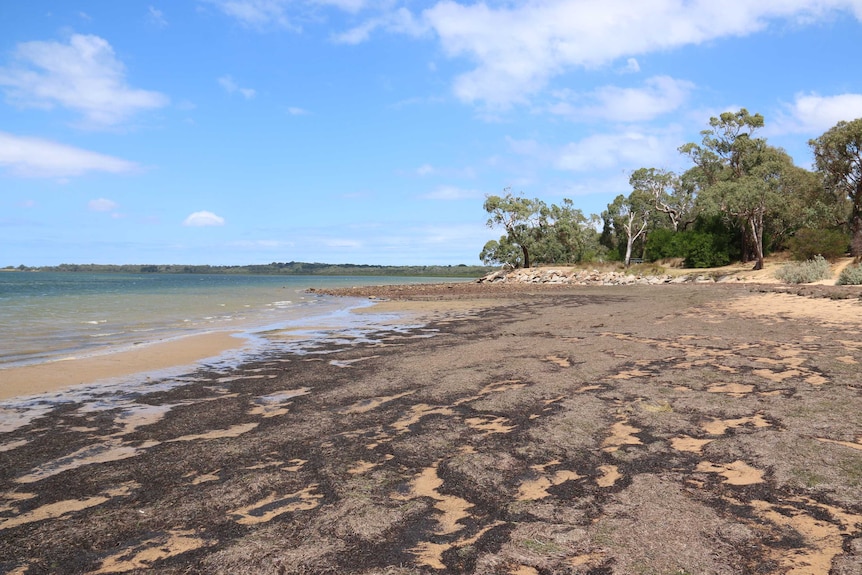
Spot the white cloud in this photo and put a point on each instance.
(631, 149)
(660, 95)
(156, 16)
(622, 151)
(452, 193)
(35, 157)
(295, 111)
(203, 219)
(400, 21)
(263, 244)
(518, 47)
(426, 170)
(343, 243)
(227, 82)
(352, 6)
(102, 205)
(632, 66)
(83, 75)
(813, 114)
(524, 147)
(607, 187)
(268, 14)
(257, 13)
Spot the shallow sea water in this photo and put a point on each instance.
(47, 317)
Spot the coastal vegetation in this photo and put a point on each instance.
(808, 271)
(741, 199)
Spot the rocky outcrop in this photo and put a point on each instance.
(570, 276)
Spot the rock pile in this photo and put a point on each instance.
(567, 276)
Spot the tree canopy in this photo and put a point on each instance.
(838, 157)
(741, 198)
(538, 233)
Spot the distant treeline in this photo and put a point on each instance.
(275, 268)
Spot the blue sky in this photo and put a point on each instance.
(370, 131)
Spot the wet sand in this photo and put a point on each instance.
(593, 431)
(58, 375)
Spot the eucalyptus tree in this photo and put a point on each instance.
(501, 251)
(803, 204)
(740, 175)
(630, 216)
(537, 233)
(672, 195)
(521, 218)
(838, 157)
(565, 234)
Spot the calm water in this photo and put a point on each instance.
(47, 316)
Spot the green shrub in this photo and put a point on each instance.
(805, 272)
(705, 250)
(807, 243)
(851, 276)
(661, 244)
(699, 249)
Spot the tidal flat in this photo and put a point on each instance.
(528, 430)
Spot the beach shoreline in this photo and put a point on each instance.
(679, 428)
(148, 357)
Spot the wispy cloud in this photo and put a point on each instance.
(102, 205)
(450, 193)
(426, 170)
(400, 21)
(659, 95)
(623, 150)
(262, 244)
(626, 150)
(35, 157)
(82, 75)
(263, 15)
(259, 14)
(429, 170)
(203, 219)
(156, 17)
(343, 243)
(230, 86)
(296, 111)
(632, 66)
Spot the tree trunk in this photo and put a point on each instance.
(526, 256)
(856, 236)
(629, 243)
(756, 223)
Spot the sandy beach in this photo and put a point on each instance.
(519, 430)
